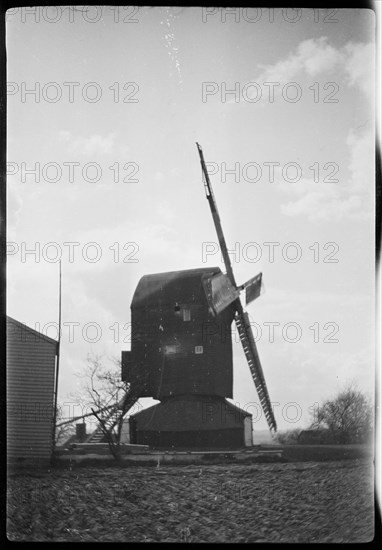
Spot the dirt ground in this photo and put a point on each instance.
(295, 502)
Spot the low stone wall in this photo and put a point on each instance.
(101, 448)
(97, 453)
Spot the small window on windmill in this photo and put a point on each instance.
(177, 307)
(186, 314)
(198, 349)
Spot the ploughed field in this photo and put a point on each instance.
(280, 502)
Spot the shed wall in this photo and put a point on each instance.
(191, 422)
(30, 392)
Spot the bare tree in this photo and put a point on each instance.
(348, 416)
(108, 398)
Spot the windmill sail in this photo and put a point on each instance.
(253, 288)
(250, 350)
(241, 317)
(216, 218)
(220, 292)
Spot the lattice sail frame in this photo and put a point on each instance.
(218, 302)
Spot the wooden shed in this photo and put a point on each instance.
(31, 360)
(192, 421)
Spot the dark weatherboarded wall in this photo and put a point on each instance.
(189, 422)
(178, 347)
(31, 360)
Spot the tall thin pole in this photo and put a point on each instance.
(57, 366)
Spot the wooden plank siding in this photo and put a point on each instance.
(31, 359)
(177, 345)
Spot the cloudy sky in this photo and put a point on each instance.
(106, 105)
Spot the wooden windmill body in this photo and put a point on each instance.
(181, 354)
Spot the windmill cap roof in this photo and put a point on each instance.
(170, 282)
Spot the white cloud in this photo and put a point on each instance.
(88, 146)
(131, 243)
(311, 56)
(321, 205)
(352, 198)
(359, 67)
(314, 57)
(317, 56)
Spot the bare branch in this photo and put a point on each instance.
(348, 416)
(108, 398)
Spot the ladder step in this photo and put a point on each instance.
(109, 420)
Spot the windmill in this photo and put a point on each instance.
(226, 291)
(181, 355)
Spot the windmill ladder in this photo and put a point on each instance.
(127, 401)
(249, 346)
